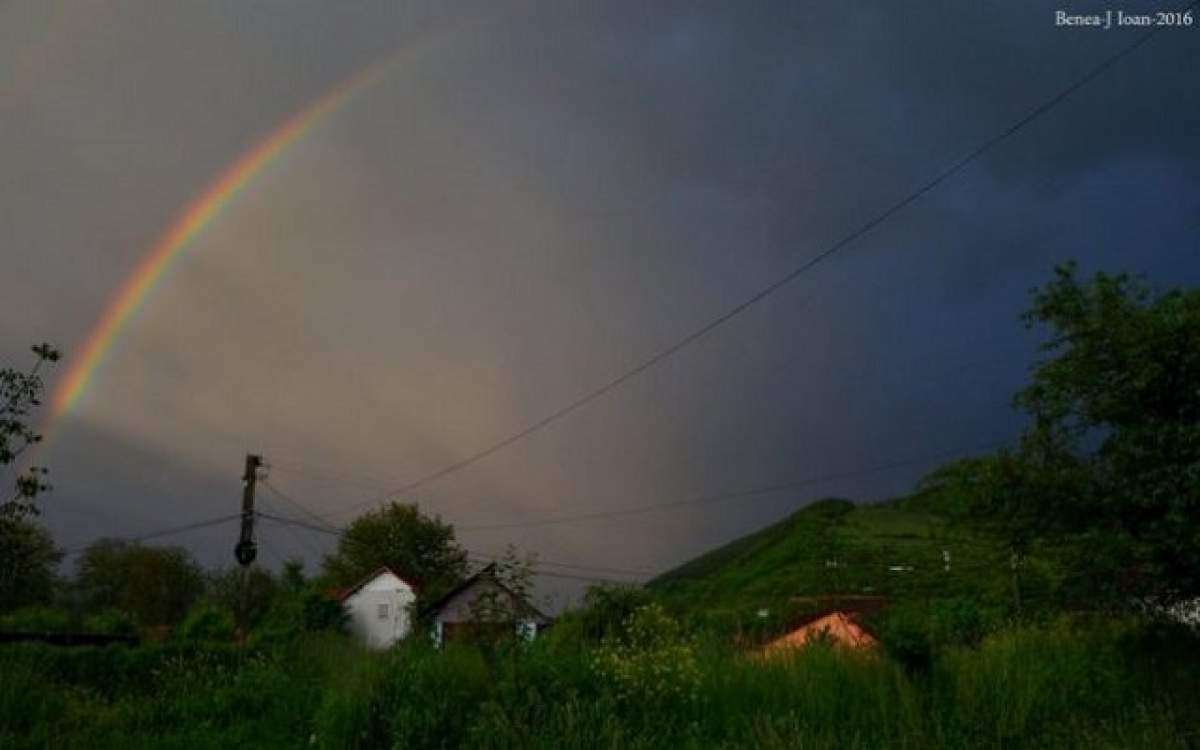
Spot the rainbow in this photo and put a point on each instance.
(189, 223)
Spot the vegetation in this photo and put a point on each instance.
(1021, 599)
(1110, 465)
(153, 585)
(419, 548)
(28, 556)
(1069, 683)
(20, 393)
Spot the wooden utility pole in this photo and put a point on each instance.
(246, 550)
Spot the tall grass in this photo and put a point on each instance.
(1065, 685)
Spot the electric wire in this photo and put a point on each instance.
(736, 310)
(470, 553)
(735, 495)
(170, 531)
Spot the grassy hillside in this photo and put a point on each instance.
(891, 549)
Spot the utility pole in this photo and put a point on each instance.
(246, 550)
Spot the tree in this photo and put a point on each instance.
(420, 549)
(1120, 395)
(28, 559)
(20, 393)
(246, 593)
(154, 585)
(1110, 465)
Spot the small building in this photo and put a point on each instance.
(839, 626)
(456, 614)
(379, 608)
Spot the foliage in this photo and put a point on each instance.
(109, 622)
(837, 554)
(207, 621)
(1067, 684)
(1124, 371)
(608, 607)
(153, 585)
(20, 393)
(1109, 468)
(296, 613)
(651, 663)
(420, 549)
(38, 619)
(291, 578)
(245, 593)
(28, 559)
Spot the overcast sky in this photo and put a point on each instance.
(534, 199)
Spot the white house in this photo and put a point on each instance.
(379, 608)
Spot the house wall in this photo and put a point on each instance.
(376, 627)
(457, 612)
(458, 609)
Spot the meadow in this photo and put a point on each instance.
(1065, 683)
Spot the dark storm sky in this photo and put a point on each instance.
(541, 196)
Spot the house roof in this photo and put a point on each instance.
(488, 572)
(343, 594)
(841, 625)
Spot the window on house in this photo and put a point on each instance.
(383, 611)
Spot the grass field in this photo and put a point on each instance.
(1061, 685)
(836, 547)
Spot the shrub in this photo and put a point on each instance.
(905, 634)
(607, 609)
(109, 622)
(651, 664)
(296, 613)
(207, 622)
(38, 620)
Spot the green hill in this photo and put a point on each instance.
(834, 547)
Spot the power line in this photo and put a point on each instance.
(295, 503)
(880, 218)
(553, 564)
(653, 507)
(331, 477)
(470, 553)
(735, 495)
(301, 541)
(955, 366)
(166, 532)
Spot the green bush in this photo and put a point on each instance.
(109, 622)
(1077, 683)
(38, 620)
(295, 613)
(31, 707)
(606, 609)
(207, 622)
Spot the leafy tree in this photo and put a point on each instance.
(207, 621)
(1120, 395)
(291, 578)
(20, 393)
(420, 549)
(1110, 466)
(153, 585)
(295, 612)
(246, 593)
(28, 559)
(607, 607)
